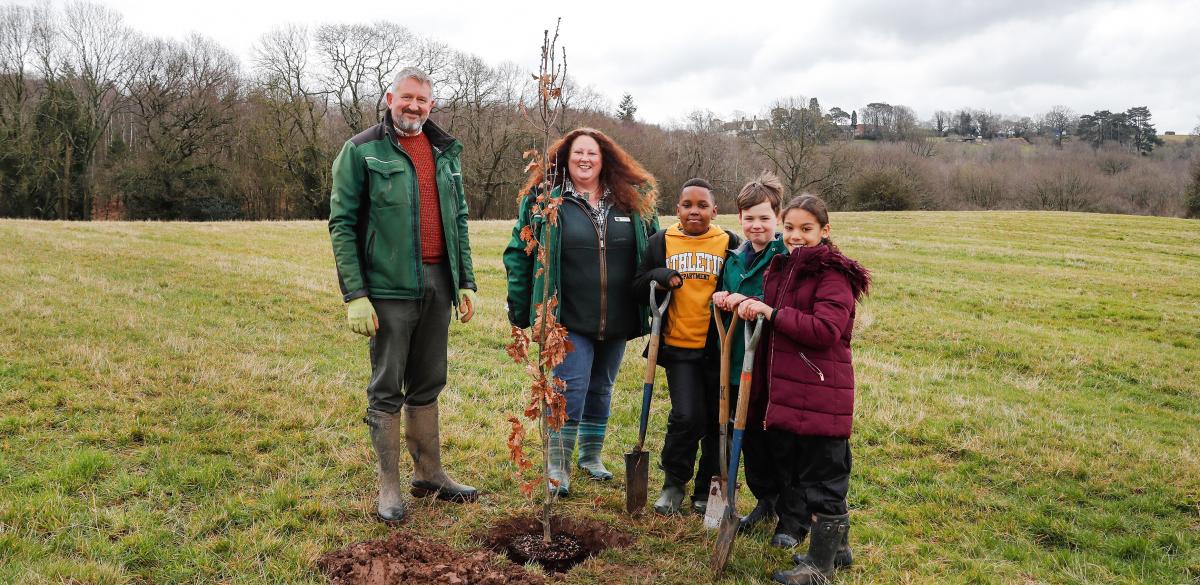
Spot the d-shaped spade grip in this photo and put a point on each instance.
(656, 314)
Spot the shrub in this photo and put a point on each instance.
(1150, 192)
(981, 187)
(1065, 190)
(1193, 193)
(1114, 164)
(155, 192)
(885, 189)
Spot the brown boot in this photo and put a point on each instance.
(385, 437)
(421, 433)
(824, 540)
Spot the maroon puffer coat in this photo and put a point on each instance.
(806, 348)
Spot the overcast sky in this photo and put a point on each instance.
(1009, 56)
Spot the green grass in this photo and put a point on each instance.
(182, 403)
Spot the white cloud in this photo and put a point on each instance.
(1016, 57)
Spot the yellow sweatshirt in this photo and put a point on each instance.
(698, 259)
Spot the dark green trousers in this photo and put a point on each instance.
(408, 354)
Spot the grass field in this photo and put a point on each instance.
(182, 403)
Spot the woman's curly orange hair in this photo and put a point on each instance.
(632, 187)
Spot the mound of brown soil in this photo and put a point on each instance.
(403, 558)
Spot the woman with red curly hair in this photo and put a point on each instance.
(606, 215)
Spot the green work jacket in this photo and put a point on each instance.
(374, 215)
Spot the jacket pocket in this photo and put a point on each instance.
(812, 366)
(388, 180)
(394, 261)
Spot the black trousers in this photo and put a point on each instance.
(759, 467)
(693, 385)
(813, 476)
(756, 456)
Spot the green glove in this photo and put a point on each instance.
(466, 304)
(361, 317)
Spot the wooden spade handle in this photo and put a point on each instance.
(743, 404)
(725, 335)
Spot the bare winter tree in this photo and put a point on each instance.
(701, 150)
(1056, 122)
(184, 98)
(296, 109)
(358, 63)
(484, 118)
(18, 37)
(18, 27)
(88, 49)
(941, 122)
(798, 145)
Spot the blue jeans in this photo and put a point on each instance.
(590, 371)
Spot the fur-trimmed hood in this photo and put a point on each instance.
(801, 261)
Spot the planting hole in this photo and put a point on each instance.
(573, 540)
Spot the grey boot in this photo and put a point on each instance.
(562, 445)
(429, 479)
(591, 442)
(385, 437)
(669, 501)
(844, 556)
(823, 544)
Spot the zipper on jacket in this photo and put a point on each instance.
(770, 366)
(603, 285)
(416, 217)
(600, 237)
(814, 367)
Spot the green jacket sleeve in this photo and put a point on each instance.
(346, 219)
(466, 275)
(519, 267)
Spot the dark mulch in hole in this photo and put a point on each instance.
(403, 558)
(574, 540)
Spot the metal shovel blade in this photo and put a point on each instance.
(725, 537)
(637, 479)
(716, 503)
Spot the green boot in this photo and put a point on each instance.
(562, 445)
(429, 479)
(824, 540)
(385, 438)
(591, 441)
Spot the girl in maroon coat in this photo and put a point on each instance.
(803, 389)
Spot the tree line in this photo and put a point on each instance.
(98, 121)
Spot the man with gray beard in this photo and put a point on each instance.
(398, 223)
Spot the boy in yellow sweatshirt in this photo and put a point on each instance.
(687, 258)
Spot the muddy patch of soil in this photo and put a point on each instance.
(574, 540)
(403, 558)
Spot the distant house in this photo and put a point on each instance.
(860, 130)
(1169, 133)
(744, 126)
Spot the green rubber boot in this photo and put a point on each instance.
(562, 445)
(591, 442)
